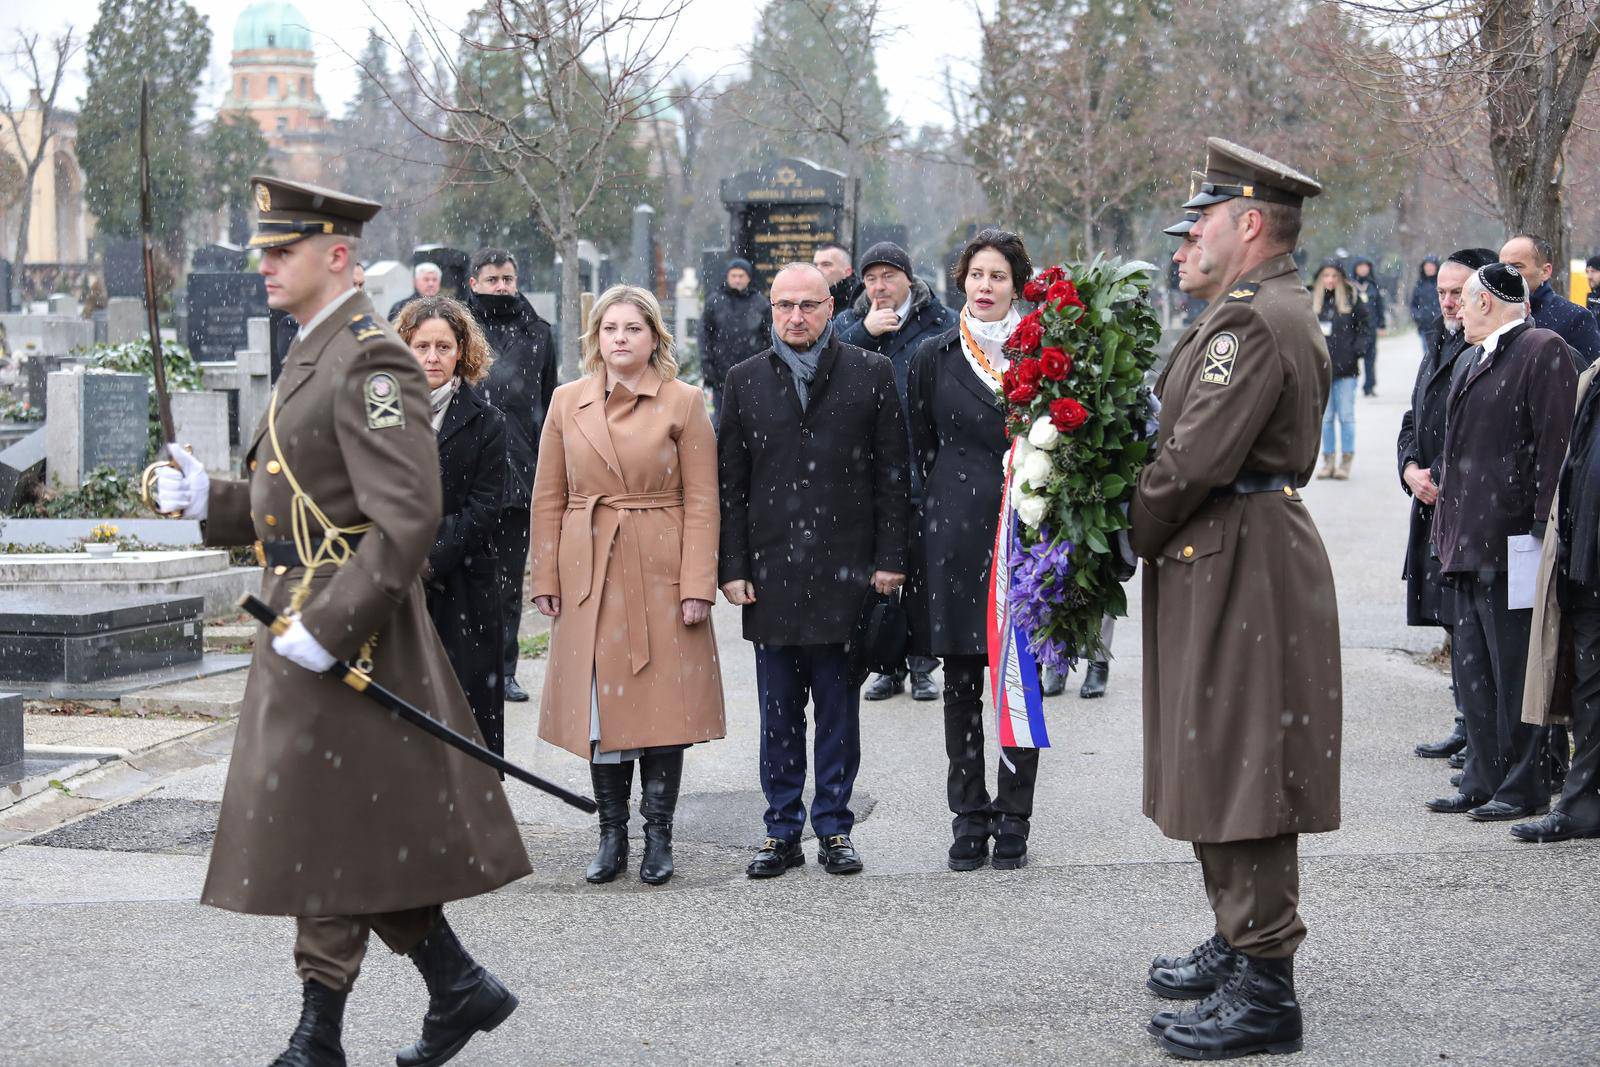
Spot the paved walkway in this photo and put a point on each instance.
(1433, 939)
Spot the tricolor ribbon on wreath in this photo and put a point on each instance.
(1013, 671)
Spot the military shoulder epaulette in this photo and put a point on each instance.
(365, 327)
(1244, 293)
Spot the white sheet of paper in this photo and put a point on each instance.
(1522, 570)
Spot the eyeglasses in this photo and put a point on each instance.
(807, 307)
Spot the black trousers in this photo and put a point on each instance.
(975, 813)
(511, 544)
(1507, 760)
(1580, 797)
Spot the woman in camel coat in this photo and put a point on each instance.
(624, 547)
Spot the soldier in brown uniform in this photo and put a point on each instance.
(335, 811)
(1242, 702)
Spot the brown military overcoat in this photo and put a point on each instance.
(333, 806)
(1242, 688)
(625, 528)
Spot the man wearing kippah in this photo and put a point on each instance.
(1507, 421)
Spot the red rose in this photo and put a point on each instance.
(1022, 393)
(1062, 295)
(1030, 373)
(1034, 291)
(1067, 414)
(1056, 363)
(1027, 335)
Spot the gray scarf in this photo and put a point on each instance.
(802, 365)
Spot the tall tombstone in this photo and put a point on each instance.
(452, 261)
(96, 419)
(124, 267)
(781, 211)
(5, 285)
(220, 305)
(642, 250)
(125, 320)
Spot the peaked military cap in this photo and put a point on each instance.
(1235, 171)
(287, 211)
(1182, 227)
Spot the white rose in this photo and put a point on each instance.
(1036, 469)
(1031, 509)
(1044, 433)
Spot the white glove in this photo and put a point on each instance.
(185, 490)
(298, 646)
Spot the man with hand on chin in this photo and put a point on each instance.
(813, 462)
(322, 817)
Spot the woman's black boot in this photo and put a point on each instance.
(612, 784)
(659, 775)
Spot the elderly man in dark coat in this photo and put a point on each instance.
(1429, 602)
(1242, 687)
(813, 463)
(1509, 414)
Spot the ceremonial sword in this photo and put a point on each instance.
(362, 683)
(158, 369)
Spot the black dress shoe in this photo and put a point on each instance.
(315, 1041)
(922, 687)
(1455, 779)
(774, 858)
(1459, 760)
(464, 1000)
(515, 694)
(1500, 811)
(969, 852)
(1257, 1013)
(883, 687)
(1094, 681)
(1446, 748)
(1557, 826)
(1052, 683)
(1206, 967)
(1010, 852)
(837, 855)
(1455, 804)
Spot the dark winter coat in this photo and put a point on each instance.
(462, 579)
(1425, 298)
(1347, 335)
(1370, 290)
(1505, 436)
(520, 381)
(1422, 442)
(927, 318)
(958, 437)
(813, 502)
(1575, 325)
(734, 325)
(399, 305)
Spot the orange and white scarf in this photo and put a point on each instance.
(984, 345)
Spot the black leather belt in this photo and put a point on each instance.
(283, 554)
(1257, 482)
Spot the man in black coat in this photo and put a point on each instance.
(1591, 271)
(1370, 291)
(520, 384)
(894, 314)
(813, 462)
(426, 278)
(1534, 258)
(1506, 426)
(735, 324)
(1429, 602)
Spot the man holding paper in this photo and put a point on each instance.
(1509, 413)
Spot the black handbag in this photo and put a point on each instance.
(878, 643)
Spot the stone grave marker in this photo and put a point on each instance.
(388, 282)
(200, 420)
(21, 468)
(10, 735)
(219, 258)
(124, 267)
(780, 212)
(643, 265)
(64, 304)
(5, 284)
(219, 307)
(125, 320)
(96, 419)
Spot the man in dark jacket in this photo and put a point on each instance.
(1506, 426)
(735, 324)
(519, 384)
(833, 260)
(1370, 292)
(894, 314)
(1425, 304)
(813, 461)
(1591, 271)
(1534, 259)
(1429, 602)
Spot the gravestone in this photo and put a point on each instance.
(96, 419)
(57, 638)
(452, 261)
(21, 468)
(779, 213)
(10, 735)
(5, 285)
(200, 421)
(219, 307)
(64, 304)
(36, 373)
(53, 335)
(219, 258)
(125, 320)
(643, 269)
(388, 282)
(124, 267)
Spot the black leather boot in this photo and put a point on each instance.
(1191, 977)
(1051, 683)
(463, 999)
(1094, 680)
(659, 775)
(315, 1041)
(1258, 1013)
(612, 784)
(1195, 1013)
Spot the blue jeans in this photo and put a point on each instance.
(786, 676)
(1341, 406)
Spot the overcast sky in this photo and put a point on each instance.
(930, 34)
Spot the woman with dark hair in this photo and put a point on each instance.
(462, 574)
(1347, 329)
(958, 436)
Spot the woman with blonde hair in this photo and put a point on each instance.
(460, 577)
(625, 529)
(1346, 326)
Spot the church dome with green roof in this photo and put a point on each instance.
(271, 24)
